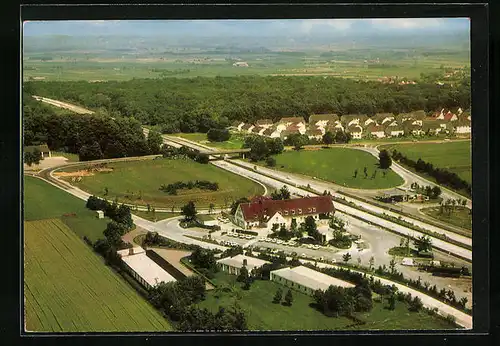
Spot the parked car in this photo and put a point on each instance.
(303, 255)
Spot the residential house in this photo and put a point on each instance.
(449, 116)
(233, 265)
(463, 126)
(382, 118)
(239, 127)
(268, 132)
(415, 130)
(394, 131)
(43, 149)
(353, 119)
(368, 122)
(264, 213)
(432, 127)
(235, 124)
(292, 120)
(355, 130)
(258, 130)
(266, 123)
(306, 280)
(247, 128)
(375, 131)
(439, 115)
(321, 120)
(241, 64)
(315, 133)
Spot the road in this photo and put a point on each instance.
(248, 171)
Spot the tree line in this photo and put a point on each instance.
(442, 176)
(171, 189)
(195, 104)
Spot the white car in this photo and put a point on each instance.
(249, 237)
(303, 255)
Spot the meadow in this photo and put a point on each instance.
(139, 183)
(60, 298)
(262, 314)
(158, 216)
(44, 201)
(337, 165)
(452, 156)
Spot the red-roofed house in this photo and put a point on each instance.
(449, 116)
(264, 213)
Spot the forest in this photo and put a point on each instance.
(90, 136)
(198, 104)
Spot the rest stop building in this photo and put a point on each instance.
(263, 212)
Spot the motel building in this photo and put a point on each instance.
(263, 212)
(142, 268)
(233, 265)
(306, 280)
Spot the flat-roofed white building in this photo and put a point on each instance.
(306, 280)
(233, 265)
(143, 268)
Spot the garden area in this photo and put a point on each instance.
(458, 215)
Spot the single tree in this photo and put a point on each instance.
(392, 265)
(355, 173)
(288, 298)
(189, 211)
(365, 171)
(328, 138)
(154, 142)
(211, 208)
(392, 301)
(372, 262)
(385, 160)
(106, 191)
(278, 295)
(293, 225)
(346, 257)
(423, 243)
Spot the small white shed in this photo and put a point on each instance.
(100, 214)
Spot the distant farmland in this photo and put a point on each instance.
(69, 289)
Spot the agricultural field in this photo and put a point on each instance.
(139, 183)
(452, 156)
(459, 216)
(235, 142)
(61, 299)
(262, 314)
(44, 201)
(347, 63)
(337, 165)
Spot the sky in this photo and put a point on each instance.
(288, 27)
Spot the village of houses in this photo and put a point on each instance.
(360, 126)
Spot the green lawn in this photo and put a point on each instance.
(459, 217)
(262, 314)
(68, 288)
(44, 201)
(139, 182)
(402, 252)
(453, 156)
(338, 165)
(235, 142)
(156, 215)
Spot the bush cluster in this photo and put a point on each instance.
(171, 189)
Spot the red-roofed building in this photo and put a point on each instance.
(450, 116)
(263, 213)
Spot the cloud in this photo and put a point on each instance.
(340, 24)
(408, 23)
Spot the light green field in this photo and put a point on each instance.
(453, 156)
(131, 179)
(44, 201)
(338, 165)
(235, 142)
(69, 289)
(262, 314)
